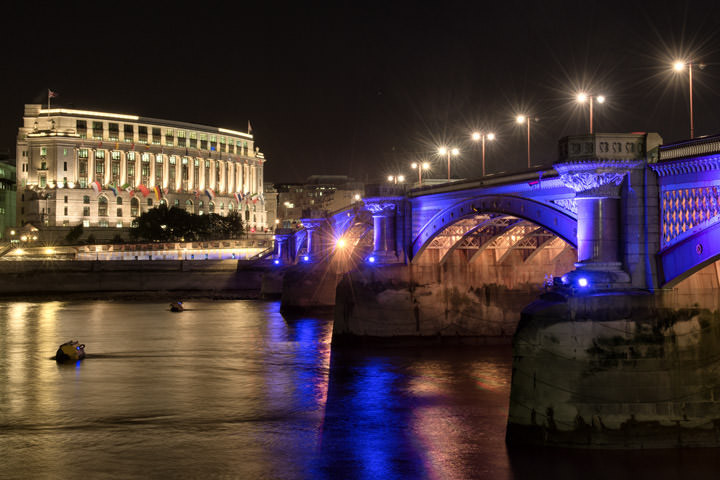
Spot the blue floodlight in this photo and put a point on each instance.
(276, 261)
(306, 258)
(582, 282)
(371, 259)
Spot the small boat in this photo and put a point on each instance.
(176, 306)
(70, 351)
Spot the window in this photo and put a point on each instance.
(113, 131)
(119, 212)
(65, 211)
(203, 141)
(169, 136)
(176, 203)
(64, 166)
(181, 138)
(86, 199)
(43, 181)
(43, 151)
(65, 150)
(81, 126)
(211, 207)
(102, 206)
(134, 207)
(193, 139)
(103, 223)
(149, 202)
(86, 211)
(172, 171)
(97, 130)
(119, 200)
(156, 138)
(66, 199)
(86, 223)
(142, 134)
(158, 169)
(83, 153)
(129, 133)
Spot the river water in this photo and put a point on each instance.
(231, 389)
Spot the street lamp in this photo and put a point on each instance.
(482, 136)
(448, 151)
(420, 167)
(396, 178)
(679, 66)
(522, 119)
(584, 97)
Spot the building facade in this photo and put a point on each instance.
(7, 199)
(103, 169)
(319, 192)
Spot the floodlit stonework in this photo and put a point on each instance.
(104, 169)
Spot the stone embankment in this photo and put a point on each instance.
(223, 278)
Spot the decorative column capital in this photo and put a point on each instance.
(596, 178)
(380, 207)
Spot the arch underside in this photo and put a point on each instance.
(499, 222)
(503, 234)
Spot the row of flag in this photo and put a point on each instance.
(160, 192)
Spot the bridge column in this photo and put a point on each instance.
(314, 238)
(595, 167)
(384, 226)
(283, 251)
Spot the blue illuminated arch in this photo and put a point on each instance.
(552, 219)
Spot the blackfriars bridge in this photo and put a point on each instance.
(602, 269)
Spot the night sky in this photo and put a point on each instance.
(364, 88)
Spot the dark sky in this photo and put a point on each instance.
(365, 88)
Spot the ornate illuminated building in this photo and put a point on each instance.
(104, 169)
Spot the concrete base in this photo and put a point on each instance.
(615, 371)
(308, 288)
(391, 302)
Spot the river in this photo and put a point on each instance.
(231, 389)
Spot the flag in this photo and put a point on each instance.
(249, 127)
(96, 186)
(254, 197)
(197, 194)
(237, 197)
(113, 189)
(158, 192)
(144, 190)
(52, 94)
(210, 194)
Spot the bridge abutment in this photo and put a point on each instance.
(615, 370)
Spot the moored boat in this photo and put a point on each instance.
(70, 351)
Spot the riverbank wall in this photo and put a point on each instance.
(225, 278)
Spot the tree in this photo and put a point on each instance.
(163, 224)
(74, 234)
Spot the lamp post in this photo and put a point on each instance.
(448, 151)
(482, 136)
(584, 97)
(523, 119)
(420, 167)
(679, 66)
(396, 178)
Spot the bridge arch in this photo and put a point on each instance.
(549, 218)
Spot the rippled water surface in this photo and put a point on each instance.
(231, 389)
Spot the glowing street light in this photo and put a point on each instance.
(420, 167)
(448, 151)
(523, 119)
(396, 178)
(679, 66)
(584, 97)
(482, 136)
